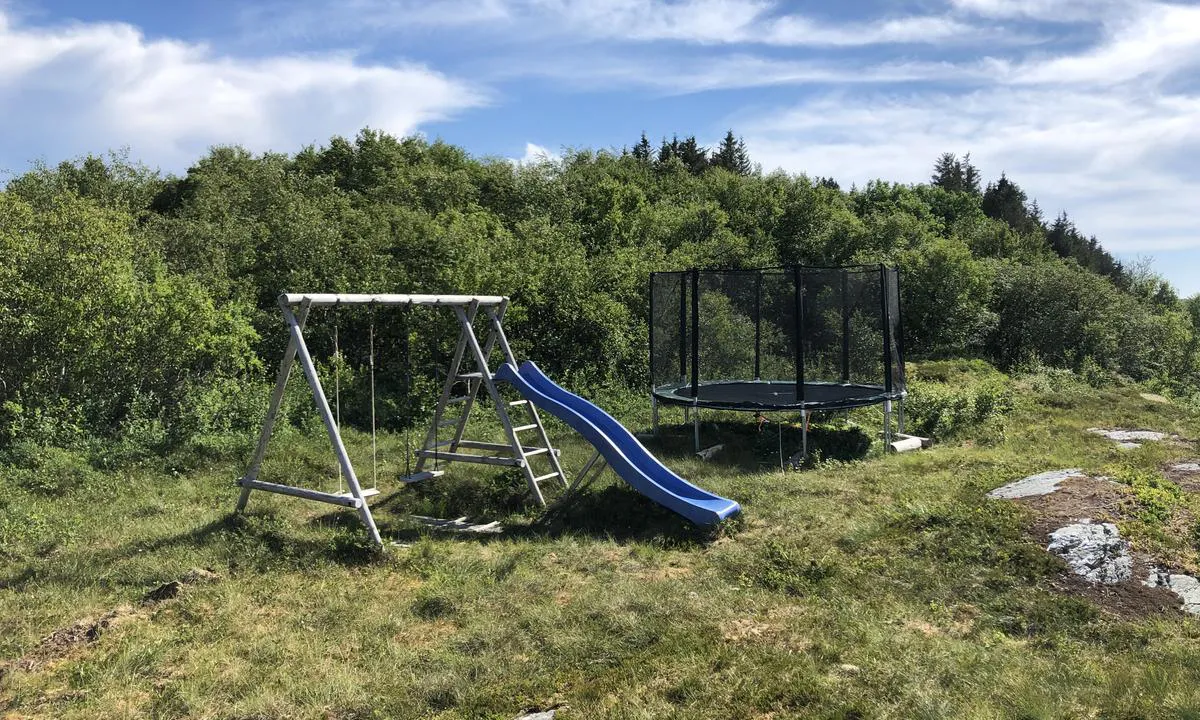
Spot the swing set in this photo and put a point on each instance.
(469, 371)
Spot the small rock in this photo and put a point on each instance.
(849, 669)
(1154, 397)
(1094, 551)
(1042, 484)
(1128, 435)
(1185, 586)
(708, 453)
(1129, 445)
(1187, 467)
(546, 715)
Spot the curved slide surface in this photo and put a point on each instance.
(625, 455)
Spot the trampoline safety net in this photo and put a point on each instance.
(777, 338)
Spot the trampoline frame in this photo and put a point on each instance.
(689, 390)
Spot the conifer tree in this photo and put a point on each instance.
(642, 150)
(732, 156)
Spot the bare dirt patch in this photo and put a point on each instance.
(81, 633)
(1099, 500)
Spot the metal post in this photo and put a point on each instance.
(798, 281)
(683, 326)
(758, 326)
(887, 424)
(900, 416)
(887, 332)
(845, 327)
(696, 426)
(650, 325)
(695, 333)
(335, 437)
(264, 437)
(804, 433)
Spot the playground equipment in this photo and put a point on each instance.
(615, 446)
(791, 338)
(513, 453)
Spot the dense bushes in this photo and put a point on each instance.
(137, 306)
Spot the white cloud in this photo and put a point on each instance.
(535, 154)
(1063, 11)
(85, 87)
(705, 22)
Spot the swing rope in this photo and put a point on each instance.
(407, 390)
(337, 385)
(371, 364)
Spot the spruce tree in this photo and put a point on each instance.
(642, 150)
(693, 155)
(732, 156)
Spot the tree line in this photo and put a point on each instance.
(140, 308)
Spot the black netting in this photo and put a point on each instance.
(746, 337)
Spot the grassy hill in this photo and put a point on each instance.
(876, 586)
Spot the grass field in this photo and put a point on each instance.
(876, 587)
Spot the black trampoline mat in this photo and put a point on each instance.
(779, 395)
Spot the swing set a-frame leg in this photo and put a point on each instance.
(298, 349)
(264, 438)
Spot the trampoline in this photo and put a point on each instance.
(792, 338)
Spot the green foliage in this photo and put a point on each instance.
(141, 309)
(945, 400)
(1156, 497)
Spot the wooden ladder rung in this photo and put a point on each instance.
(515, 403)
(523, 428)
(470, 376)
(450, 421)
(545, 477)
(536, 451)
(366, 492)
(460, 398)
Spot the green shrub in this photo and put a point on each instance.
(943, 410)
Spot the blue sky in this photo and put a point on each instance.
(1092, 106)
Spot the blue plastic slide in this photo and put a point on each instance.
(625, 455)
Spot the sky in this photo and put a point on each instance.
(1091, 106)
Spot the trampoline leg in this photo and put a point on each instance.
(887, 424)
(900, 417)
(804, 434)
(654, 414)
(696, 427)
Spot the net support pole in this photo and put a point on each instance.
(845, 327)
(887, 331)
(695, 333)
(758, 325)
(683, 326)
(798, 281)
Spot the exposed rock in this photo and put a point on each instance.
(1094, 551)
(1042, 484)
(1185, 586)
(546, 715)
(1125, 436)
(1154, 397)
(1186, 467)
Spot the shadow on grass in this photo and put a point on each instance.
(751, 447)
(253, 541)
(612, 512)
